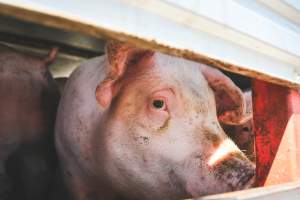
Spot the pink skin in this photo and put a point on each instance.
(114, 143)
(28, 103)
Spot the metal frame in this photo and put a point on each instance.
(216, 38)
(290, 191)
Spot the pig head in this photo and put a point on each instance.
(138, 124)
(242, 134)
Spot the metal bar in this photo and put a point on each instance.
(126, 21)
(276, 115)
(243, 26)
(290, 191)
(284, 9)
(21, 32)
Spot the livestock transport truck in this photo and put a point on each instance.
(256, 43)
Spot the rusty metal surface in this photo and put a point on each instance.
(122, 21)
(276, 115)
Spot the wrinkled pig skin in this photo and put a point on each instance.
(137, 124)
(243, 134)
(28, 104)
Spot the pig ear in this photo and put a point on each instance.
(231, 104)
(119, 57)
(249, 111)
(52, 55)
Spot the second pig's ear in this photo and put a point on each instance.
(120, 56)
(230, 101)
(52, 55)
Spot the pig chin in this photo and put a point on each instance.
(193, 190)
(230, 175)
(235, 174)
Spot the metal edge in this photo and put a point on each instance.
(98, 32)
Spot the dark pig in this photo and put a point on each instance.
(28, 105)
(138, 124)
(242, 134)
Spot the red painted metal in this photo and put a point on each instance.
(276, 115)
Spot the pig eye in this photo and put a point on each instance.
(246, 129)
(158, 104)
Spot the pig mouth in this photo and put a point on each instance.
(235, 175)
(246, 182)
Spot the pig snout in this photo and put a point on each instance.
(231, 166)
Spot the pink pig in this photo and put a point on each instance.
(138, 124)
